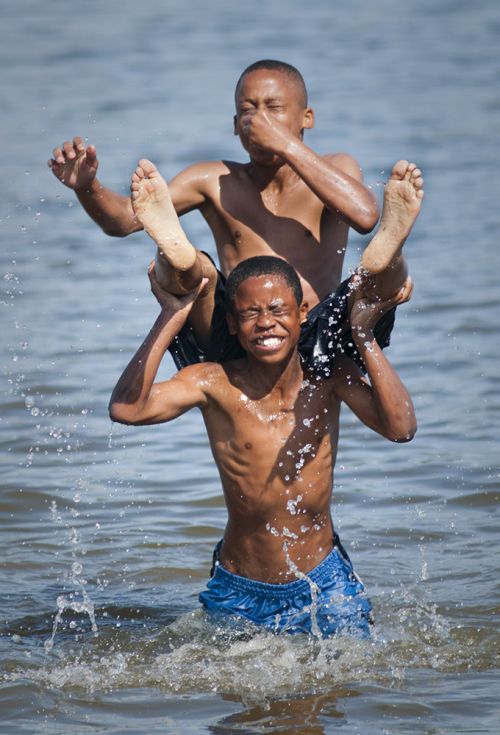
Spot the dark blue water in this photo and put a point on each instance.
(112, 528)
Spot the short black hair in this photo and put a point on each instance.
(262, 265)
(280, 66)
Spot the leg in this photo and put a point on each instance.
(382, 262)
(179, 267)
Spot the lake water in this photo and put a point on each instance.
(107, 532)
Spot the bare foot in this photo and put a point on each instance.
(402, 199)
(154, 209)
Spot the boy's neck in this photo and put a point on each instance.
(277, 177)
(281, 379)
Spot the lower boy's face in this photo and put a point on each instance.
(266, 318)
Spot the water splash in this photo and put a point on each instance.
(85, 605)
(314, 593)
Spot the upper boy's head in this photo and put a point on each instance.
(265, 307)
(271, 65)
(276, 88)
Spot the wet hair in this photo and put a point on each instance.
(262, 265)
(280, 66)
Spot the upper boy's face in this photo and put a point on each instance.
(266, 318)
(276, 93)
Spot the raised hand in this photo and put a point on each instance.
(74, 164)
(169, 301)
(259, 129)
(365, 313)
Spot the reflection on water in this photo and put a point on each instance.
(114, 527)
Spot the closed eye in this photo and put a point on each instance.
(246, 316)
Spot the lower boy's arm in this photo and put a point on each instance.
(135, 398)
(131, 399)
(390, 397)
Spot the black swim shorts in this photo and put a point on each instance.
(324, 335)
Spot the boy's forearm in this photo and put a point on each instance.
(392, 400)
(111, 211)
(135, 383)
(339, 191)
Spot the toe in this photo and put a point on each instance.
(399, 169)
(147, 166)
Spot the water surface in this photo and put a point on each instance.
(107, 532)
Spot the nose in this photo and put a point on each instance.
(265, 320)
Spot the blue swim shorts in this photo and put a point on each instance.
(330, 601)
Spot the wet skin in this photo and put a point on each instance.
(287, 200)
(273, 428)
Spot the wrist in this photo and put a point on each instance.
(290, 149)
(91, 188)
(363, 337)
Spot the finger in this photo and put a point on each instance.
(78, 143)
(204, 282)
(408, 289)
(58, 155)
(68, 150)
(403, 294)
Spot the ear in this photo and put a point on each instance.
(231, 322)
(304, 308)
(235, 125)
(308, 119)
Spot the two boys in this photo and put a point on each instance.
(286, 201)
(273, 426)
(271, 416)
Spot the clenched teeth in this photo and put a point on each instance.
(269, 341)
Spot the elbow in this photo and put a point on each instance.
(120, 415)
(366, 219)
(403, 434)
(113, 229)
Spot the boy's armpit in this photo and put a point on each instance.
(191, 188)
(346, 378)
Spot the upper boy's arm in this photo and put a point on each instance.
(166, 400)
(364, 216)
(191, 188)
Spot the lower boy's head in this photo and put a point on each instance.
(265, 307)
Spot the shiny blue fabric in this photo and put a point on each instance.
(340, 607)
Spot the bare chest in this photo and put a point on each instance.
(247, 222)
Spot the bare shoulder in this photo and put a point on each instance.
(201, 172)
(207, 378)
(346, 163)
(196, 185)
(203, 374)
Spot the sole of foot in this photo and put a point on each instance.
(402, 201)
(153, 208)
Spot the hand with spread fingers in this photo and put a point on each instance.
(74, 164)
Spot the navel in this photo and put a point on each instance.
(248, 445)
